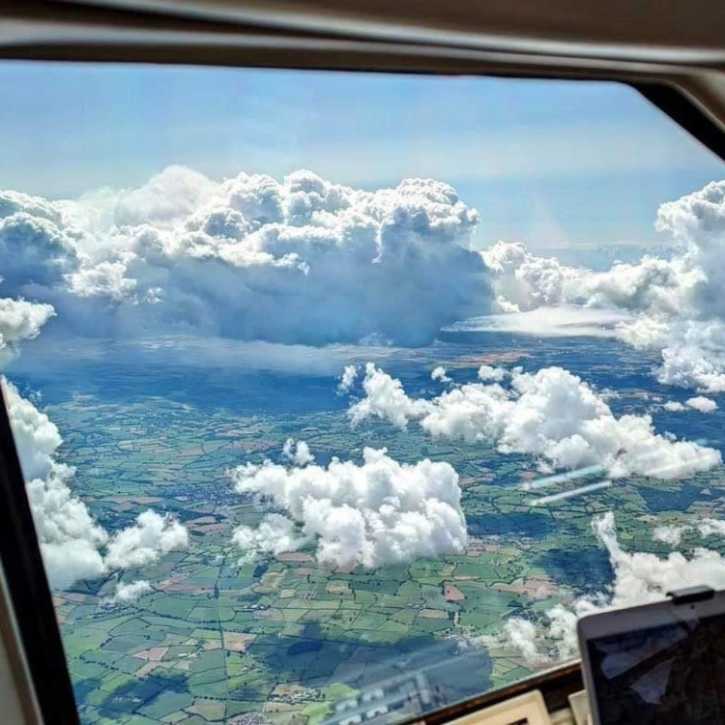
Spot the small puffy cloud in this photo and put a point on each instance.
(20, 320)
(347, 379)
(550, 414)
(704, 405)
(489, 373)
(72, 543)
(639, 578)
(145, 542)
(297, 452)
(386, 399)
(127, 593)
(674, 406)
(670, 534)
(276, 534)
(711, 527)
(371, 514)
(439, 373)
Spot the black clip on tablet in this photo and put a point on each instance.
(688, 595)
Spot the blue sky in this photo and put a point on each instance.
(552, 164)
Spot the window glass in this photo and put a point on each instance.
(340, 397)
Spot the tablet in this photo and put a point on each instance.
(662, 663)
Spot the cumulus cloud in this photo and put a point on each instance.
(127, 593)
(347, 379)
(439, 373)
(20, 320)
(297, 451)
(699, 403)
(704, 405)
(551, 414)
(371, 514)
(672, 534)
(71, 541)
(300, 260)
(639, 578)
(674, 406)
(143, 543)
(276, 534)
(490, 373)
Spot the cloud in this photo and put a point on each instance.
(145, 542)
(639, 578)
(693, 355)
(371, 514)
(562, 321)
(670, 534)
(20, 320)
(347, 379)
(699, 403)
(488, 373)
(551, 414)
(127, 593)
(297, 452)
(674, 406)
(439, 373)
(704, 405)
(300, 260)
(71, 541)
(276, 534)
(674, 304)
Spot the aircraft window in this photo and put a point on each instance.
(339, 397)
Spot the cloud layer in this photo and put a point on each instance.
(371, 514)
(550, 414)
(297, 261)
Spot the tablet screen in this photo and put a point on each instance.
(674, 673)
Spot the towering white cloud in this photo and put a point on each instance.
(371, 514)
(639, 578)
(302, 260)
(550, 414)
